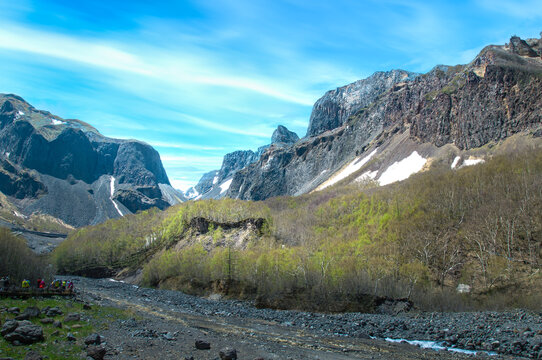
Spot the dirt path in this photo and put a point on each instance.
(166, 325)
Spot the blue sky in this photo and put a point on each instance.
(199, 79)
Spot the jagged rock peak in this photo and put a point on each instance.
(530, 48)
(283, 135)
(333, 109)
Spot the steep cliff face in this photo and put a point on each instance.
(406, 124)
(335, 107)
(75, 153)
(214, 184)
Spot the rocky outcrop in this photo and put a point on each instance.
(465, 106)
(19, 183)
(211, 184)
(77, 164)
(333, 109)
(284, 136)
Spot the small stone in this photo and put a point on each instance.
(55, 311)
(96, 352)
(72, 317)
(14, 310)
(57, 324)
(47, 321)
(22, 317)
(33, 355)
(87, 307)
(77, 326)
(93, 339)
(228, 353)
(32, 311)
(203, 345)
(70, 337)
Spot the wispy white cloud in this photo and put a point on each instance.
(172, 67)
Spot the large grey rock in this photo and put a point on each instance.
(25, 333)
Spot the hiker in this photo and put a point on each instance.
(63, 284)
(41, 284)
(38, 282)
(70, 286)
(55, 284)
(25, 284)
(3, 286)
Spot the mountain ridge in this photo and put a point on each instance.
(97, 176)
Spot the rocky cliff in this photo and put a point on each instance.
(214, 184)
(393, 124)
(335, 107)
(110, 177)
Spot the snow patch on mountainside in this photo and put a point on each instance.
(401, 170)
(456, 160)
(351, 168)
(225, 186)
(111, 197)
(472, 161)
(56, 122)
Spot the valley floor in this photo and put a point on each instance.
(166, 325)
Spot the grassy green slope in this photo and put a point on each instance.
(420, 238)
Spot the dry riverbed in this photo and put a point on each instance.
(167, 324)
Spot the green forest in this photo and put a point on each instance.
(419, 239)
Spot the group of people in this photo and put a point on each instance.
(56, 285)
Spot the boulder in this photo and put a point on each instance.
(228, 353)
(25, 333)
(72, 317)
(14, 310)
(203, 345)
(32, 311)
(96, 352)
(55, 311)
(9, 326)
(93, 339)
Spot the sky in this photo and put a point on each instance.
(199, 79)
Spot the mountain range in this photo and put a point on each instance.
(377, 130)
(65, 168)
(393, 124)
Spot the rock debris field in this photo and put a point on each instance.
(172, 325)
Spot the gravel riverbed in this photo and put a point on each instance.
(514, 334)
